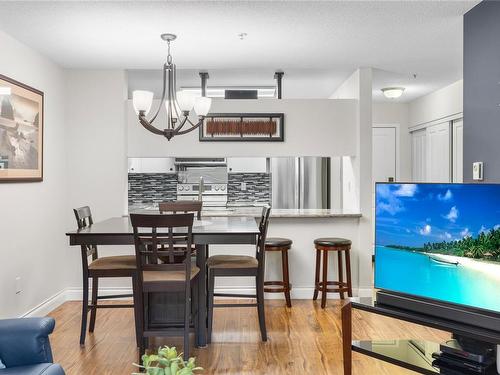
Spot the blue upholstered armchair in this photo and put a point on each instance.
(25, 347)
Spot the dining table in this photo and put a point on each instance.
(206, 232)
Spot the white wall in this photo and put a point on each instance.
(397, 114)
(96, 140)
(313, 127)
(32, 215)
(439, 104)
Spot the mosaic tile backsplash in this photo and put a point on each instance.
(151, 188)
(258, 188)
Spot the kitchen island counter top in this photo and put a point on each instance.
(240, 211)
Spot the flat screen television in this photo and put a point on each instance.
(437, 246)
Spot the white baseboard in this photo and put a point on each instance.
(75, 294)
(47, 306)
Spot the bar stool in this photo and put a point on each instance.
(283, 286)
(325, 245)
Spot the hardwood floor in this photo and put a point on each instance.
(303, 339)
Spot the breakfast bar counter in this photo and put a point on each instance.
(242, 211)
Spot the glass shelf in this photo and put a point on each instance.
(415, 355)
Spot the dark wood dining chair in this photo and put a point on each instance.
(238, 266)
(156, 238)
(98, 267)
(181, 206)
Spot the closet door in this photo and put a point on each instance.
(418, 155)
(384, 154)
(458, 150)
(439, 153)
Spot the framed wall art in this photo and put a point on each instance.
(21, 132)
(243, 127)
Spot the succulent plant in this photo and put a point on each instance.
(167, 362)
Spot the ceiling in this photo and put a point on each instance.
(399, 38)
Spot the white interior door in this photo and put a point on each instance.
(384, 154)
(418, 155)
(438, 153)
(458, 150)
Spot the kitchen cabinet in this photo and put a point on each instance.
(247, 165)
(151, 165)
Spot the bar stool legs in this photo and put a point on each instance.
(282, 286)
(325, 245)
(286, 279)
(316, 275)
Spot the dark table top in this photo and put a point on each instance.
(118, 230)
(213, 225)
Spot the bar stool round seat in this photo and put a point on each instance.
(323, 246)
(274, 243)
(332, 241)
(280, 286)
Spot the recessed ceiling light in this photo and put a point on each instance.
(393, 92)
(242, 35)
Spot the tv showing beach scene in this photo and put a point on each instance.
(439, 241)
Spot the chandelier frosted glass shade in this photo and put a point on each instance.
(202, 106)
(178, 105)
(142, 101)
(186, 100)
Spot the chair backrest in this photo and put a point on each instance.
(261, 242)
(181, 206)
(83, 217)
(159, 247)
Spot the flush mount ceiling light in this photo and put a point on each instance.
(177, 104)
(393, 92)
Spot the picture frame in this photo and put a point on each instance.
(21, 132)
(231, 127)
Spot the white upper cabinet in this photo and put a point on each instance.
(151, 165)
(247, 165)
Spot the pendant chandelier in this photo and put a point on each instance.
(178, 105)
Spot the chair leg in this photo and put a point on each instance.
(93, 311)
(316, 274)
(324, 285)
(139, 318)
(85, 309)
(341, 274)
(142, 348)
(137, 311)
(259, 284)
(348, 272)
(211, 286)
(187, 320)
(195, 312)
(286, 278)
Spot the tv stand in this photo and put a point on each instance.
(381, 350)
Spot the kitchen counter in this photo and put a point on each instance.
(276, 213)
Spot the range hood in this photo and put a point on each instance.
(200, 162)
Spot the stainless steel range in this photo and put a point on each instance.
(202, 178)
